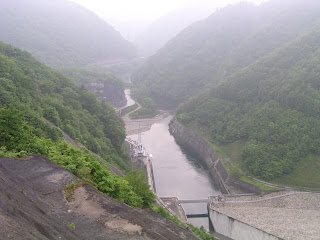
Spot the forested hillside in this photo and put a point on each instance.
(40, 92)
(61, 32)
(36, 102)
(230, 39)
(273, 106)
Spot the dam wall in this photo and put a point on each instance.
(235, 229)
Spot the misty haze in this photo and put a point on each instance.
(178, 119)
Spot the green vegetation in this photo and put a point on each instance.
(40, 92)
(260, 185)
(82, 76)
(81, 163)
(131, 108)
(200, 232)
(61, 33)
(305, 175)
(148, 107)
(72, 225)
(139, 183)
(229, 40)
(32, 94)
(231, 88)
(272, 106)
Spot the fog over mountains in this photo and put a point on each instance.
(61, 32)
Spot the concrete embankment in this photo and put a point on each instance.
(226, 183)
(279, 215)
(144, 163)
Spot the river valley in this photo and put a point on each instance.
(176, 172)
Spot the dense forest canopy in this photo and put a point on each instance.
(42, 93)
(273, 105)
(230, 39)
(61, 33)
(38, 103)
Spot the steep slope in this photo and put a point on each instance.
(36, 103)
(61, 32)
(273, 106)
(230, 39)
(40, 200)
(39, 92)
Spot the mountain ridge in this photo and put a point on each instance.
(61, 33)
(230, 39)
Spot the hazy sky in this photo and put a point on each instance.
(132, 17)
(145, 9)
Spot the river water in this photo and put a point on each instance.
(177, 173)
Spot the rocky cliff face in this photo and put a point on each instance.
(40, 200)
(108, 93)
(226, 183)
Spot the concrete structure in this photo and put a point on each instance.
(175, 207)
(226, 183)
(281, 215)
(140, 154)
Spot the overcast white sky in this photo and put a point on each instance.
(131, 17)
(147, 9)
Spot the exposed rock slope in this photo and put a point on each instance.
(34, 205)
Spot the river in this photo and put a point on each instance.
(177, 173)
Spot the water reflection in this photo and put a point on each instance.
(177, 173)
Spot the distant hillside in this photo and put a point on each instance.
(107, 87)
(273, 107)
(61, 33)
(168, 26)
(230, 39)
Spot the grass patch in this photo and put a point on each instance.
(233, 151)
(143, 113)
(260, 185)
(72, 226)
(306, 175)
(231, 158)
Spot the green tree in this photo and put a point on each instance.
(13, 128)
(138, 181)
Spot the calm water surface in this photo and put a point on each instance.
(177, 174)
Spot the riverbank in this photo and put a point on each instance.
(134, 126)
(226, 183)
(177, 174)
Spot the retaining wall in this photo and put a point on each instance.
(226, 183)
(235, 229)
